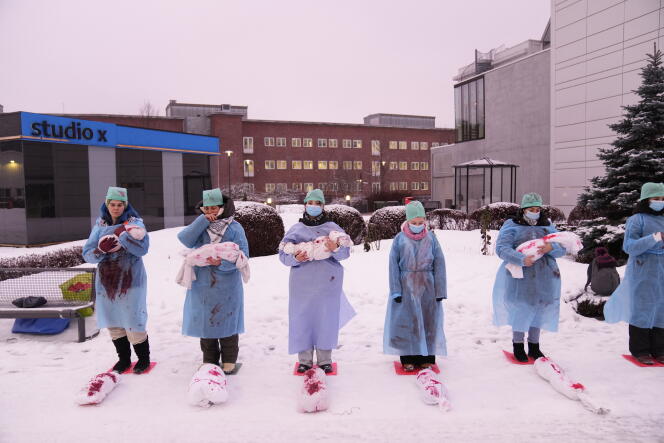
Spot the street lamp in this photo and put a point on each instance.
(229, 153)
(348, 199)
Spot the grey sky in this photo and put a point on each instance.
(311, 60)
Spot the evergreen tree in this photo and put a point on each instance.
(637, 154)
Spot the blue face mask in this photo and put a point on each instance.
(415, 229)
(313, 210)
(532, 215)
(656, 205)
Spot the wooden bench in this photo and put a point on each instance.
(69, 293)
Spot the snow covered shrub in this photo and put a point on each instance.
(262, 225)
(485, 220)
(62, 258)
(590, 305)
(580, 213)
(599, 232)
(555, 214)
(386, 223)
(498, 213)
(451, 219)
(349, 219)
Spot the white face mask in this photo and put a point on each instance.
(532, 215)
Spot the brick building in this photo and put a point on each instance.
(389, 152)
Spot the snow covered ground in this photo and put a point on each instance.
(492, 399)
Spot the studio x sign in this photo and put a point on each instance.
(67, 130)
(74, 131)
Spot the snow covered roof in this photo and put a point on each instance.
(484, 162)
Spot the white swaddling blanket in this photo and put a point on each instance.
(228, 251)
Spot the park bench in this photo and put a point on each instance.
(69, 293)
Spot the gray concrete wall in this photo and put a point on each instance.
(599, 48)
(173, 189)
(101, 164)
(517, 109)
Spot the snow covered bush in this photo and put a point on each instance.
(262, 225)
(498, 213)
(62, 258)
(599, 232)
(385, 223)
(349, 219)
(555, 214)
(451, 219)
(580, 213)
(589, 304)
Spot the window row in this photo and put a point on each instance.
(306, 187)
(334, 164)
(414, 186)
(248, 144)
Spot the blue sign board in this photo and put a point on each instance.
(52, 128)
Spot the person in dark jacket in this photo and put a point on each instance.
(603, 278)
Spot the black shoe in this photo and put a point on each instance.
(645, 359)
(534, 350)
(123, 348)
(327, 368)
(142, 351)
(520, 352)
(303, 368)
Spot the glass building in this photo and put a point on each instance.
(54, 173)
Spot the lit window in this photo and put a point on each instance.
(357, 164)
(348, 164)
(332, 143)
(282, 164)
(393, 145)
(415, 146)
(281, 142)
(425, 186)
(322, 143)
(308, 186)
(308, 164)
(394, 166)
(333, 164)
(375, 147)
(357, 144)
(322, 164)
(346, 143)
(394, 186)
(296, 142)
(375, 168)
(403, 186)
(248, 145)
(307, 142)
(269, 164)
(414, 186)
(403, 145)
(415, 166)
(248, 168)
(268, 141)
(403, 166)
(424, 146)
(424, 166)
(269, 187)
(296, 164)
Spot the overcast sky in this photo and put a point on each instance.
(310, 60)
